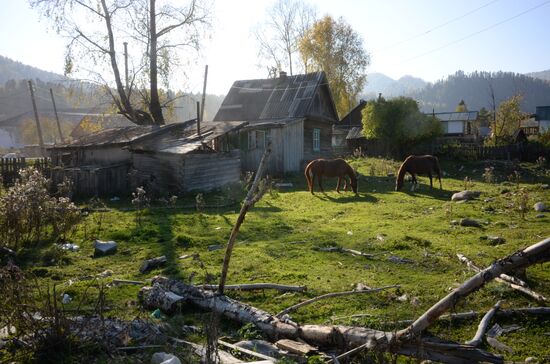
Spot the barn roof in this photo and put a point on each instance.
(355, 132)
(282, 98)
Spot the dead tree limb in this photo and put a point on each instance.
(343, 337)
(522, 311)
(506, 279)
(254, 194)
(329, 295)
(539, 252)
(246, 351)
(482, 327)
(503, 276)
(257, 286)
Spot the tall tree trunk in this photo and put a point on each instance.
(125, 105)
(154, 104)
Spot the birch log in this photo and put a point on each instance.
(343, 337)
(503, 278)
(539, 252)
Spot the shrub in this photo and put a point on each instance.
(29, 214)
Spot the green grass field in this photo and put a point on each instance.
(278, 239)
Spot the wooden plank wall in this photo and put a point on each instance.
(101, 181)
(326, 140)
(159, 174)
(206, 172)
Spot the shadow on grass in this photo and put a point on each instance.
(347, 198)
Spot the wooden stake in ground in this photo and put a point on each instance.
(254, 194)
(38, 127)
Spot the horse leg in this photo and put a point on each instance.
(312, 183)
(338, 184)
(320, 184)
(346, 183)
(431, 184)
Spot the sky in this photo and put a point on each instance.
(430, 39)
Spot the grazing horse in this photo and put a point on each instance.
(330, 168)
(421, 164)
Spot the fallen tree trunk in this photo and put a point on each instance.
(342, 337)
(256, 286)
(539, 252)
(510, 281)
(405, 342)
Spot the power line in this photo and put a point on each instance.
(438, 26)
(476, 33)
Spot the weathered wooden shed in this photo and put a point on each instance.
(170, 159)
(186, 161)
(295, 113)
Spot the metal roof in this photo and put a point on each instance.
(455, 116)
(355, 133)
(277, 98)
(187, 140)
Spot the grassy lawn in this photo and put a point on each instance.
(278, 239)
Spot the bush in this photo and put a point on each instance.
(29, 214)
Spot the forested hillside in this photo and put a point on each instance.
(476, 90)
(13, 70)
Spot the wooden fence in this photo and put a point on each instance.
(10, 167)
(520, 151)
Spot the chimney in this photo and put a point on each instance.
(282, 75)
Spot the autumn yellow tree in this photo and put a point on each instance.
(334, 47)
(507, 121)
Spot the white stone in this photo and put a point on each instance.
(539, 206)
(465, 195)
(164, 358)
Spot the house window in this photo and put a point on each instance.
(260, 139)
(256, 139)
(251, 140)
(316, 140)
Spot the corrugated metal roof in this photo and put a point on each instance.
(265, 99)
(455, 116)
(187, 140)
(355, 133)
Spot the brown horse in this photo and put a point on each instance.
(423, 164)
(330, 168)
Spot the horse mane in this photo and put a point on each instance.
(403, 169)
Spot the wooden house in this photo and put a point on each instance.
(295, 113)
(347, 133)
(169, 159)
(457, 124)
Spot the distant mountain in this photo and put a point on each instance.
(380, 83)
(543, 75)
(13, 70)
(475, 90)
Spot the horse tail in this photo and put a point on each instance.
(308, 173)
(438, 171)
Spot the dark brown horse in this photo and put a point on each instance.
(330, 168)
(418, 164)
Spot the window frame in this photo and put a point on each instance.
(316, 139)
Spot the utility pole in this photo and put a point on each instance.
(38, 128)
(57, 118)
(204, 91)
(198, 119)
(126, 66)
